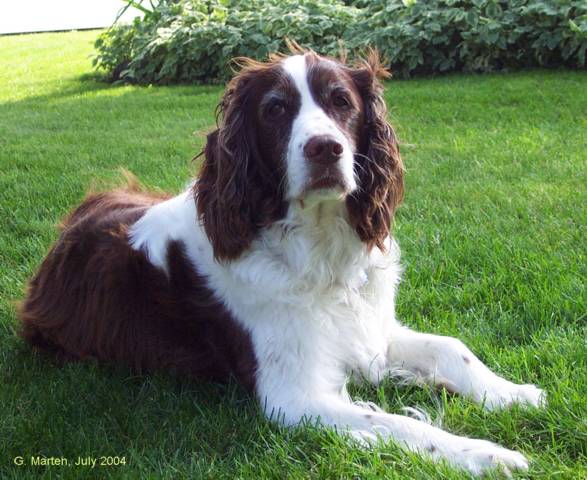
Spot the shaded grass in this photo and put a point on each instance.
(493, 238)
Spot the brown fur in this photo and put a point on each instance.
(372, 207)
(94, 296)
(239, 190)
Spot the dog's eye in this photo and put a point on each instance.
(340, 100)
(275, 108)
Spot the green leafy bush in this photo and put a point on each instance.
(474, 35)
(193, 40)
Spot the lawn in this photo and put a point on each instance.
(493, 237)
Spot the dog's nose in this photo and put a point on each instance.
(323, 149)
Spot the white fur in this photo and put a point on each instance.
(311, 121)
(320, 308)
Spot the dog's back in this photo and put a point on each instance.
(94, 296)
(68, 293)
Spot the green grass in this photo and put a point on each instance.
(493, 238)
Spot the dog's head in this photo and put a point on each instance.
(303, 129)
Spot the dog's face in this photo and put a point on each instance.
(302, 129)
(326, 117)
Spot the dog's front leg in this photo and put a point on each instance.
(290, 406)
(447, 362)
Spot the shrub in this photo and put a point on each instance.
(193, 40)
(474, 35)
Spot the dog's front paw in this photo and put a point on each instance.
(505, 394)
(480, 456)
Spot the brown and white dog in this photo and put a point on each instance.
(275, 267)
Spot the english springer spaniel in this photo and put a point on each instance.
(276, 266)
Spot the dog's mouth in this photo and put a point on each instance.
(328, 178)
(326, 182)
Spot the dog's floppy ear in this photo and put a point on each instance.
(214, 191)
(236, 193)
(379, 166)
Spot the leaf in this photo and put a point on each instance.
(472, 18)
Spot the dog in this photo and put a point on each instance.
(276, 267)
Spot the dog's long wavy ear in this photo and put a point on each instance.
(379, 167)
(235, 192)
